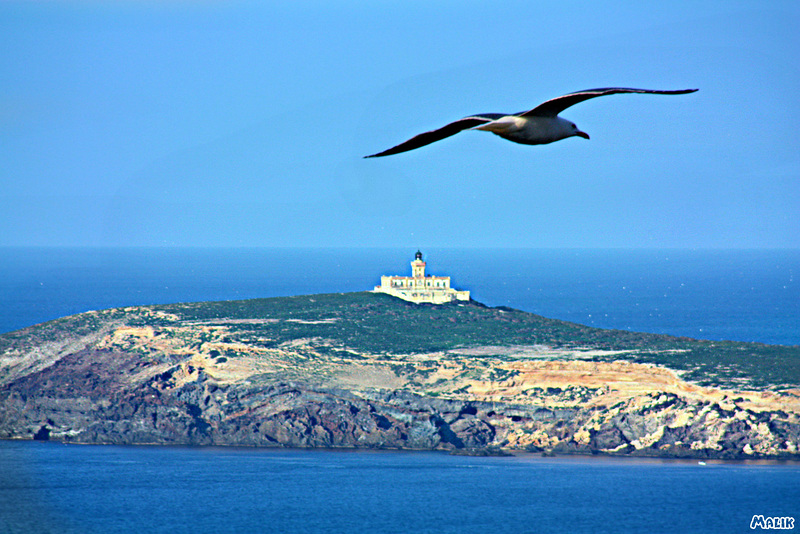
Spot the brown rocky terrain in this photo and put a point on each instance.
(313, 373)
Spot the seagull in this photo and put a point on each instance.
(538, 126)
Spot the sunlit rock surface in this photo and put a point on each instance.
(361, 370)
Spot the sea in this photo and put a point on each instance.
(742, 295)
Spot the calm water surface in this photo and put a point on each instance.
(48, 487)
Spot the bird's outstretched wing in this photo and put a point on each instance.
(427, 138)
(554, 106)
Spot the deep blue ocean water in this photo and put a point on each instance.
(49, 487)
(740, 295)
(743, 295)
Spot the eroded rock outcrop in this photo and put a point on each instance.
(147, 376)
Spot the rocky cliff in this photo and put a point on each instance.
(369, 371)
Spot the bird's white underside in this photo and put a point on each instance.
(529, 130)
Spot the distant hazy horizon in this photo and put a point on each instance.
(713, 294)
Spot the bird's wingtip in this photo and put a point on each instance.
(677, 91)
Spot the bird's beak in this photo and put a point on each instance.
(582, 134)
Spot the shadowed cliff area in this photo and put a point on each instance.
(368, 370)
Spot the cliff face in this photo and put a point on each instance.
(166, 375)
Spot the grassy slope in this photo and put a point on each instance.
(376, 323)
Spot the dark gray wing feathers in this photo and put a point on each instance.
(427, 138)
(554, 106)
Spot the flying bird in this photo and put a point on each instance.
(538, 126)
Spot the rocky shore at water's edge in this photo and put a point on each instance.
(314, 374)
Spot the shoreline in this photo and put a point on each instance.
(513, 455)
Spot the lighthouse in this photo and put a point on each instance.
(418, 266)
(420, 287)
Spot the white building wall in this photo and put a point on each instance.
(421, 288)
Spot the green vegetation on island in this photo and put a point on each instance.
(381, 324)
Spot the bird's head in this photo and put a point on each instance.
(576, 132)
(561, 128)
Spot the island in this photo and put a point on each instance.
(370, 370)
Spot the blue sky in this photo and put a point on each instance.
(244, 124)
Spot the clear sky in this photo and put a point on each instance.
(226, 123)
